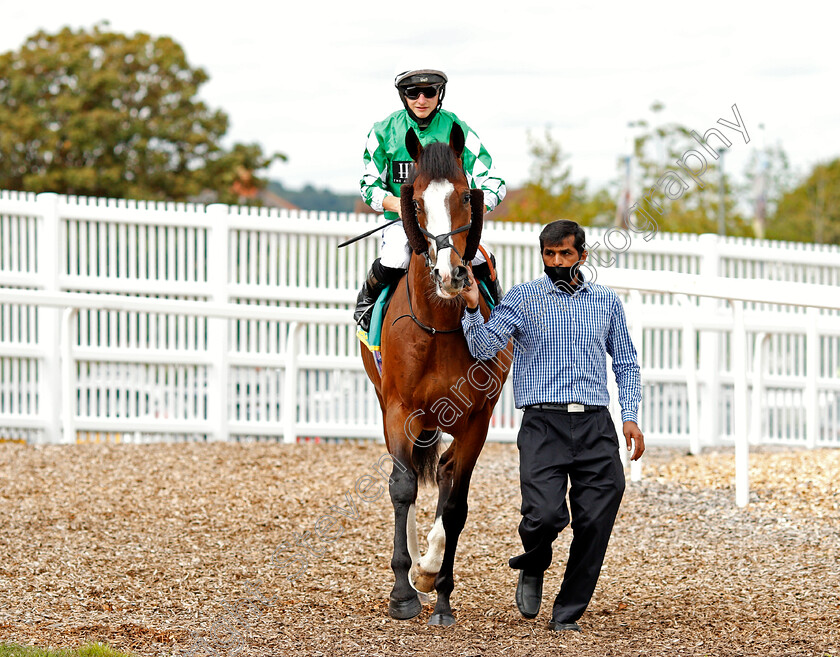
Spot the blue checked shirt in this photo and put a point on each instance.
(560, 342)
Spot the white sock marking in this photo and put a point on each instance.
(411, 535)
(433, 559)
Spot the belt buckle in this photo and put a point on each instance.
(576, 408)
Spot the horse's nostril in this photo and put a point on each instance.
(460, 274)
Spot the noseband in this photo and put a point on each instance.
(418, 239)
(442, 241)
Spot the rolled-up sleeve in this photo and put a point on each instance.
(486, 339)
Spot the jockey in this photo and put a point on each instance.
(387, 165)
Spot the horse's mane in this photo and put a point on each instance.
(437, 161)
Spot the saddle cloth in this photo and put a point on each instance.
(372, 339)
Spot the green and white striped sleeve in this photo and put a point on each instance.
(373, 185)
(478, 165)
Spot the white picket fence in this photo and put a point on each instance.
(126, 321)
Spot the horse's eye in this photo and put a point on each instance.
(417, 207)
(467, 198)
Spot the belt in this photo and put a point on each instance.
(566, 408)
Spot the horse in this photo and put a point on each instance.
(429, 381)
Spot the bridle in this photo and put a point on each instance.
(441, 241)
(425, 327)
(440, 166)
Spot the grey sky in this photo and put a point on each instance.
(310, 78)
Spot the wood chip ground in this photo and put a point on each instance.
(148, 547)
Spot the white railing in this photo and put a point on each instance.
(286, 423)
(158, 321)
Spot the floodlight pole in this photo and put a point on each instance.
(722, 208)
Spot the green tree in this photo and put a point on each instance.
(811, 211)
(550, 192)
(101, 113)
(656, 149)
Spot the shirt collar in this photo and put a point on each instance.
(580, 289)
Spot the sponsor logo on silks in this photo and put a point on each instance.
(401, 171)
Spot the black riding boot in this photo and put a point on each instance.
(482, 273)
(379, 277)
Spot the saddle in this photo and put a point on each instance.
(372, 339)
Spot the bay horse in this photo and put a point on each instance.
(429, 380)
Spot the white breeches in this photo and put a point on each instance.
(394, 250)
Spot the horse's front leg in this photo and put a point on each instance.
(454, 473)
(404, 602)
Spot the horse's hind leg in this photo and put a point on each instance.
(454, 473)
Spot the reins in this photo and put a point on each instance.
(429, 329)
(441, 241)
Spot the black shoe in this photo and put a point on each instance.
(529, 593)
(379, 277)
(560, 627)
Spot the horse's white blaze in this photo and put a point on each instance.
(438, 221)
(433, 559)
(411, 535)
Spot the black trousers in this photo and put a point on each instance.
(555, 448)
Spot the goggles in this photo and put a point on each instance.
(414, 92)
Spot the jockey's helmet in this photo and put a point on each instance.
(412, 80)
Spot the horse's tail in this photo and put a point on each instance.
(425, 455)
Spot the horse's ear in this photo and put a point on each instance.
(477, 219)
(412, 144)
(457, 140)
(409, 219)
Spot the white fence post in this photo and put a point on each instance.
(758, 387)
(637, 333)
(689, 356)
(49, 319)
(218, 343)
(68, 375)
(290, 384)
(812, 366)
(739, 369)
(709, 347)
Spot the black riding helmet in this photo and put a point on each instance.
(421, 77)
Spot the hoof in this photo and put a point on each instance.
(422, 581)
(442, 619)
(404, 609)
